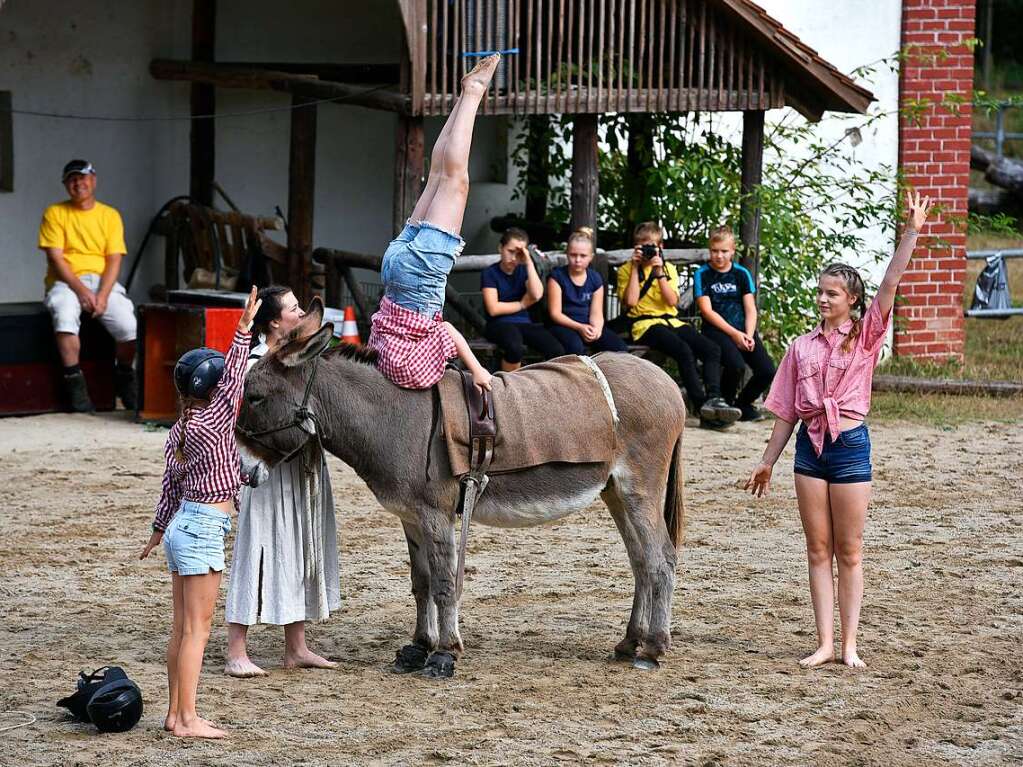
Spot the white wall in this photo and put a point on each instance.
(94, 60)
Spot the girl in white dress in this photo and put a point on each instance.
(285, 565)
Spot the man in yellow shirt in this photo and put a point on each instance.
(84, 243)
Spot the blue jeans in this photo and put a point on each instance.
(416, 265)
(194, 540)
(843, 461)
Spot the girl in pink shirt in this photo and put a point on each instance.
(824, 381)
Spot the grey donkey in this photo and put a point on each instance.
(387, 435)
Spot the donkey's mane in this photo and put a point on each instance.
(353, 352)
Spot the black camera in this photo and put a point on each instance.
(649, 251)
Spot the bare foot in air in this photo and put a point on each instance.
(198, 728)
(243, 668)
(481, 74)
(852, 659)
(307, 659)
(823, 655)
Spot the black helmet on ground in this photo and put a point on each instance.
(116, 707)
(198, 372)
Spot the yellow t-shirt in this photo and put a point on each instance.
(87, 237)
(651, 306)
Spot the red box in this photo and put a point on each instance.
(166, 331)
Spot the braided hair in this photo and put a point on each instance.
(854, 286)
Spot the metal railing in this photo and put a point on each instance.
(999, 134)
(985, 254)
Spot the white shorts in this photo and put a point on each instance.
(66, 311)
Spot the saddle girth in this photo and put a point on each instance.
(482, 432)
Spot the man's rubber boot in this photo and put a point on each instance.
(124, 385)
(78, 393)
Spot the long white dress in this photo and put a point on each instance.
(284, 567)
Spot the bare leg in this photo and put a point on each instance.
(200, 596)
(238, 663)
(510, 367)
(446, 157)
(849, 513)
(172, 652)
(297, 654)
(69, 346)
(125, 353)
(815, 514)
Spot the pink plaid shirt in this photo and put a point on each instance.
(211, 471)
(412, 349)
(819, 383)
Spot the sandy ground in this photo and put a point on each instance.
(942, 628)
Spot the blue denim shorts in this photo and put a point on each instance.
(194, 540)
(416, 266)
(843, 461)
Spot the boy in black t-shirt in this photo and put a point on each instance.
(725, 295)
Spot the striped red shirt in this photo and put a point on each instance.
(211, 471)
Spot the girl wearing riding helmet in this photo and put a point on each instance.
(284, 570)
(200, 488)
(575, 300)
(824, 381)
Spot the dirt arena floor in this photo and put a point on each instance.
(942, 627)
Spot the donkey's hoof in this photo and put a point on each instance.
(646, 664)
(410, 658)
(440, 665)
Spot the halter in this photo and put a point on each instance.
(298, 419)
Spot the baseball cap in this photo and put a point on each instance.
(77, 166)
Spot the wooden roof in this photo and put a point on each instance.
(577, 56)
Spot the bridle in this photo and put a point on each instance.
(301, 414)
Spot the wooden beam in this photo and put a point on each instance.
(409, 168)
(202, 138)
(301, 186)
(352, 74)
(752, 175)
(307, 85)
(586, 179)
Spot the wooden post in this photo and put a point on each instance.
(409, 166)
(301, 183)
(752, 174)
(202, 139)
(586, 178)
(538, 169)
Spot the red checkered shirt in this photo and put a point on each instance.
(412, 349)
(211, 472)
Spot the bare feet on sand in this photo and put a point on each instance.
(198, 728)
(168, 722)
(307, 659)
(823, 655)
(481, 74)
(852, 659)
(243, 668)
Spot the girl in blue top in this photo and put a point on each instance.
(575, 300)
(509, 288)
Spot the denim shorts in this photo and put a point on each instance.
(843, 461)
(194, 540)
(416, 266)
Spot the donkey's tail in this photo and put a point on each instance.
(674, 502)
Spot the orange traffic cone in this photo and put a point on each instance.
(349, 330)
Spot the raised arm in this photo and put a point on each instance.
(916, 216)
(224, 403)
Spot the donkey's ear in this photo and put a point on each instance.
(303, 350)
(310, 323)
(315, 310)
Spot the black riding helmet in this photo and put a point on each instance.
(198, 372)
(116, 707)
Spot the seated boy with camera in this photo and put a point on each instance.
(648, 290)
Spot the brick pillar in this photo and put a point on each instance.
(934, 156)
